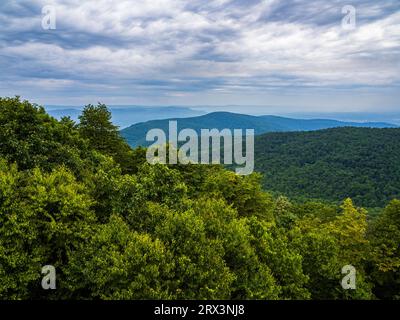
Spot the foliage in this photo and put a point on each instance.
(332, 165)
(115, 227)
(95, 125)
(384, 235)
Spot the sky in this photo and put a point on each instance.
(283, 56)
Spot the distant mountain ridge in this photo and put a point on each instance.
(135, 135)
(124, 116)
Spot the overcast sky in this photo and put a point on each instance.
(291, 55)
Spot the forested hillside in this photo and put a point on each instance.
(75, 196)
(333, 164)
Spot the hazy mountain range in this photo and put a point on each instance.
(136, 134)
(124, 116)
(127, 115)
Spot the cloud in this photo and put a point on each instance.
(160, 50)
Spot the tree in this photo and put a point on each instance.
(96, 126)
(19, 268)
(200, 271)
(43, 218)
(350, 229)
(384, 235)
(327, 245)
(118, 263)
(31, 138)
(253, 276)
(242, 192)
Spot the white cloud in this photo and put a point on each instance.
(221, 44)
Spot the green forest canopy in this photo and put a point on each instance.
(332, 164)
(75, 196)
(328, 165)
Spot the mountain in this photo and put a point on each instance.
(60, 112)
(136, 134)
(124, 116)
(333, 164)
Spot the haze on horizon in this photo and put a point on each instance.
(293, 55)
